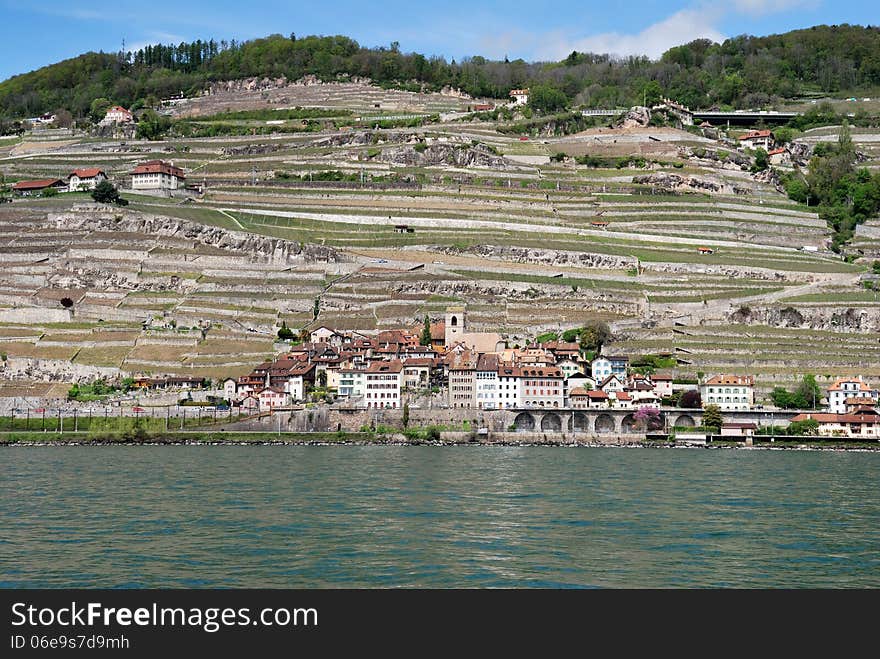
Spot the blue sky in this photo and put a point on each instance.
(36, 34)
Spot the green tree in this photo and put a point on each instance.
(782, 398)
(594, 335)
(761, 161)
(152, 126)
(808, 393)
(805, 427)
(316, 308)
(405, 415)
(547, 98)
(425, 338)
(284, 332)
(712, 417)
(105, 193)
(652, 93)
(98, 109)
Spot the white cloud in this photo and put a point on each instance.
(682, 27)
(701, 20)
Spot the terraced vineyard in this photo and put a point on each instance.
(451, 212)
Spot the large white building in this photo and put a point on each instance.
(508, 387)
(85, 179)
(486, 382)
(117, 115)
(729, 392)
(157, 175)
(845, 389)
(383, 380)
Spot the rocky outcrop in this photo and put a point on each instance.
(54, 370)
(731, 271)
(637, 117)
(444, 154)
(247, 85)
(833, 318)
(544, 256)
(771, 177)
(800, 152)
(676, 183)
(250, 150)
(542, 295)
(715, 157)
(260, 248)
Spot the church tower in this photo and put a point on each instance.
(456, 323)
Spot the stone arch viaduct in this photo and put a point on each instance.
(590, 421)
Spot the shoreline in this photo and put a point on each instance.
(194, 438)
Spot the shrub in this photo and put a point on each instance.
(105, 193)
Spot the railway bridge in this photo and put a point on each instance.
(609, 421)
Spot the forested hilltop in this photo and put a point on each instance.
(744, 71)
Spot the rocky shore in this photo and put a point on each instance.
(363, 439)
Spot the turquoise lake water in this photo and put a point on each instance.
(436, 517)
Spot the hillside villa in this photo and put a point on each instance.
(157, 175)
(757, 139)
(85, 179)
(117, 115)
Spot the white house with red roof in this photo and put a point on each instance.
(778, 156)
(865, 425)
(383, 380)
(272, 397)
(757, 139)
(157, 175)
(845, 389)
(85, 179)
(729, 392)
(117, 115)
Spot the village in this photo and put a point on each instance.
(440, 366)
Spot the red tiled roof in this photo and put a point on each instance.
(756, 133)
(418, 361)
(38, 184)
(738, 380)
(385, 367)
(539, 371)
(90, 172)
(597, 394)
(158, 167)
(863, 386)
(825, 417)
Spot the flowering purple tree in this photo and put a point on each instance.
(648, 418)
